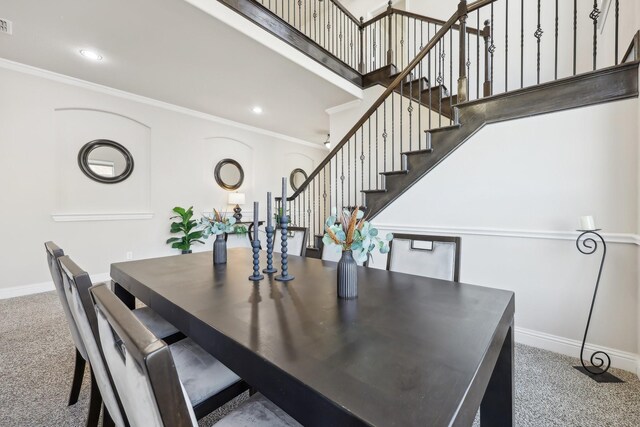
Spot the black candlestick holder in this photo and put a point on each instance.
(284, 276)
(599, 362)
(255, 244)
(269, 270)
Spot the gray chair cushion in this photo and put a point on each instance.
(201, 374)
(156, 324)
(258, 411)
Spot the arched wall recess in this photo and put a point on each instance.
(79, 197)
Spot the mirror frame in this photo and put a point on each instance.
(83, 161)
(221, 183)
(293, 173)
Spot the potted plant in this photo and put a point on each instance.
(356, 237)
(218, 224)
(188, 228)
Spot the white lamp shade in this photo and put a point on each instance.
(236, 198)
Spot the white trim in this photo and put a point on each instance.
(624, 238)
(240, 23)
(76, 217)
(36, 288)
(343, 107)
(72, 81)
(619, 359)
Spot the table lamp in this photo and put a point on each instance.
(236, 199)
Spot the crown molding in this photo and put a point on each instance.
(95, 87)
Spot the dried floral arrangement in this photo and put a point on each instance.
(217, 223)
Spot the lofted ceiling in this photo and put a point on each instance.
(170, 51)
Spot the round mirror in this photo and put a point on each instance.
(105, 161)
(297, 178)
(229, 174)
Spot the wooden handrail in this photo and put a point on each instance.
(390, 89)
(345, 11)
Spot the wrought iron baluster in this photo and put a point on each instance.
(440, 81)
(506, 47)
(393, 131)
(478, 55)
(362, 157)
(377, 151)
(384, 133)
(410, 109)
(522, 44)
(430, 79)
(400, 114)
(451, 74)
(342, 177)
(370, 155)
(617, 30)
(349, 170)
(594, 15)
(492, 48)
(555, 76)
(538, 35)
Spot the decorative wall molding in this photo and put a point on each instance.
(36, 288)
(343, 107)
(72, 81)
(619, 359)
(116, 216)
(623, 238)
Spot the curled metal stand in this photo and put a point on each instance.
(600, 362)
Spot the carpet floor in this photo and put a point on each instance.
(36, 362)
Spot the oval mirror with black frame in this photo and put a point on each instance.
(229, 174)
(297, 178)
(105, 161)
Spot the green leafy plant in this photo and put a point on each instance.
(240, 229)
(278, 214)
(353, 232)
(217, 223)
(186, 226)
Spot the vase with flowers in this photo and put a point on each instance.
(357, 239)
(218, 224)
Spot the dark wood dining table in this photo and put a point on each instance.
(409, 351)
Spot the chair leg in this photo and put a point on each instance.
(107, 421)
(78, 374)
(95, 403)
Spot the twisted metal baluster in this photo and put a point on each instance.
(594, 15)
(589, 246)
(538, 35)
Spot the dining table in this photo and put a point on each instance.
(408, 351)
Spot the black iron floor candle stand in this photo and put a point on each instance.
(269, 270)
(284, 276)
(599, 362)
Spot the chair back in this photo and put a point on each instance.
(76, 284)
(296, 241)
(141, 365)
(53, 253)
(429, 256)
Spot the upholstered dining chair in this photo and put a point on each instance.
(296, 240)
(147, 374)
(53, 253)
(428, 256)
(209, 384)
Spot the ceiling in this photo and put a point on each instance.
(170, 51)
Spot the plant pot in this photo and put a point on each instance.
(347, 276)
(186, 252)
(220, 250)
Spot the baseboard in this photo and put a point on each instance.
(619, 359)
(36, 288)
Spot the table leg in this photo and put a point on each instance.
(497, 407)
(124, 295)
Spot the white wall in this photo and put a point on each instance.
(514, 193)
(43, 122)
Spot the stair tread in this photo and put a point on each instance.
(423, 151)
(374, 191)
(400, 172)
(443, 128)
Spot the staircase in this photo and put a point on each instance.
(446, 90)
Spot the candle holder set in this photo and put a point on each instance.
(284, 276)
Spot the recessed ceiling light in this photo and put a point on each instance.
(257, 110)
(89, 54)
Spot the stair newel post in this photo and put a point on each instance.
(462, 80)
(486, 34)
(361, 30)
(390, 35)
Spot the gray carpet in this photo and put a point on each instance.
(36, 361)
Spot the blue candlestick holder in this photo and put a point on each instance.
(269, 270)
(284, 276)
(256, 261)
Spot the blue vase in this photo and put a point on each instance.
(220, 250)
(347, 276)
